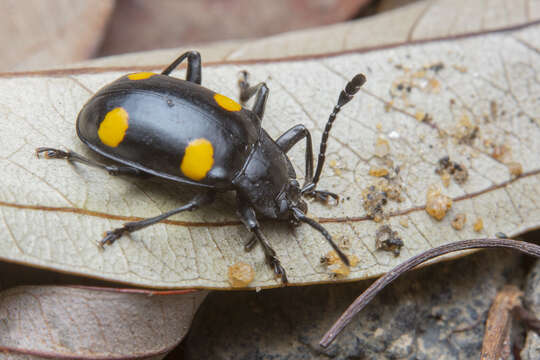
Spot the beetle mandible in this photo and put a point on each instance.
(158, 125)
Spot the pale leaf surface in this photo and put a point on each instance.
(54, 212)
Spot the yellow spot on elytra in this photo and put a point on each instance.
(227, 103)
(140, 75)
(198, 159)
(113, 128)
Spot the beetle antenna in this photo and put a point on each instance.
(345, 96)
(303, 218)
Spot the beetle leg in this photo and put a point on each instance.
(247, 92)
(271, 257)
(50, 153)
(195, 203)
(248, 217)
(193, 66)
(290, 138)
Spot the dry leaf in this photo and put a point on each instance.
(40, 34)
(420, 21)
(54, 212)
(83, 322)
(175, 23)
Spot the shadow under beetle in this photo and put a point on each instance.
(155, 124)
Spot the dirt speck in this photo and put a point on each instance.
(459, 221)
(382, 147)
(461, 69)
(376, 196)
(500, 152)
(478, 225)
(378, 172)
(515, 168)
(465, 131)
(447, 168)
(388, 240)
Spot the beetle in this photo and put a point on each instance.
(158, 125)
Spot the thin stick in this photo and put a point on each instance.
(377, 286)
(499, 323)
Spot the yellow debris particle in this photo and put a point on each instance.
(378, 172)
(404, 222)
(378, 126)
(493, 109)
(435, 85)
(515, 168)
(461, 69)
(388, 105)
(437, 204)
(466, 131)
(334, 165)
(459, 221)
(241, 274)
(335, 265)
(420, 116)
(500, 152)
(419, 74)
(382, 147)
(445, 178)
(478, 225)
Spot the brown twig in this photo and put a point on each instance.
(499, 322)
(527, 317)
(377, 286)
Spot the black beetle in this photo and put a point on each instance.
(155, 124)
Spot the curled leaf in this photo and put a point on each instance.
(84, 322)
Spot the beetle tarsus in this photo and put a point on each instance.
(274, 262)
(323, 195)
(243, 84)
(50, 153)
(111, 236)
(250, 244)
(271, 256)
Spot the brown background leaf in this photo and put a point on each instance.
(81, 322)
(40, 34)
